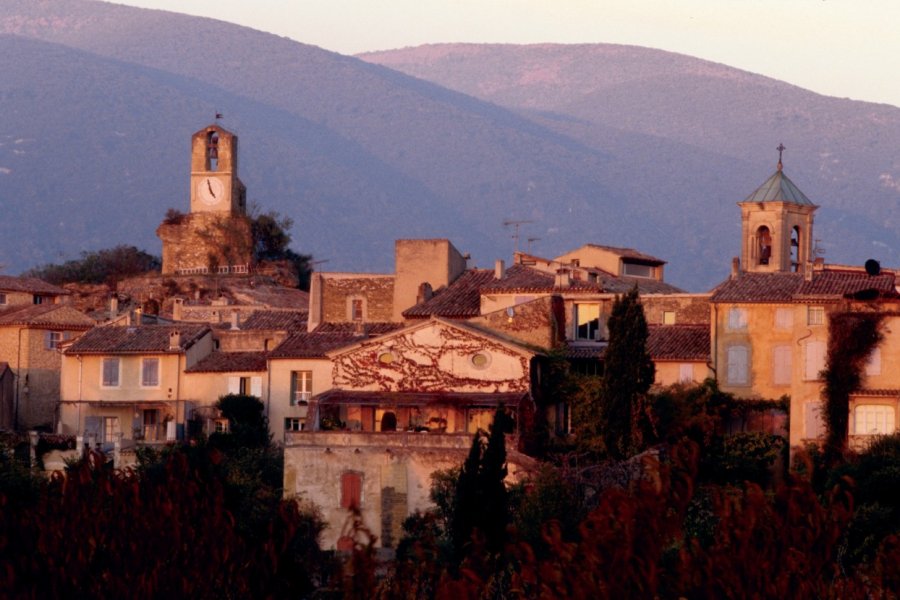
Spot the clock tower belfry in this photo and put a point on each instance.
(216, 237)
(215, 186)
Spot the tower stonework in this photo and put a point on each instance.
(777, 227)
(216, 236)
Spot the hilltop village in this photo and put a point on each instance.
(372, 382)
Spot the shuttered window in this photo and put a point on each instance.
(686, 373)
(110, 375)
(781, 358)
(737, 319)
(814, 360)
(738, 365)
(351, 490)
(150, 372)
(813, 420)
(784, 318)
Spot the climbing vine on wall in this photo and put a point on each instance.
(852, 336)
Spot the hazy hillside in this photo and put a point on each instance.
(100, 100)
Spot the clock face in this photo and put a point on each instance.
(210, 190)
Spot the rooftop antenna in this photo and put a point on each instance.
(515, 224)
(780, 149)
(530, 240)
(312, 265)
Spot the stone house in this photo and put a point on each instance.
(22, 291)
(31, 336)
(132, 382)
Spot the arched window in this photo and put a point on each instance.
(764, 245)
(389, 422)
(795, 249)
(212, 151)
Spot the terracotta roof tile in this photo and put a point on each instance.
(462, 298)
(56, 316)
(678, 342)
(584, 351)
(230, 362)
(276, 319)
(312, 344)
(846, 283)
(31, 285)
(146, 339)
(758, 287)
(521, 278)
(372, 328)
(793, 287)
(883, 392)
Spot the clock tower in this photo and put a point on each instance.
(215, 238)
(215, 186)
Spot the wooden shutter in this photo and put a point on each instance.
(781, 358)
(351, 490)
(234, 385)
(737, 365)
(813, 420)
(256, 387)
(815, 360)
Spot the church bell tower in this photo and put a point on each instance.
(777, 226)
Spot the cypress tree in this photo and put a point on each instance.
(628, 373)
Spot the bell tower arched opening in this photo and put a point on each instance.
(795, 248)
(212, 151)
(763, 245)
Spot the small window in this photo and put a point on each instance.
(668, 317)
(637, 270)
(873, 364)
(357, 309)
(781, 359)
(814, 360)
(587, 322)
(293, 424)
(3, 300)
(815, 315)
(301, 387)
(54, 339)
(150, 372)
(737, 319)
(351, 490)
(220, 425)
(110, 375)
(784, 318)
(686, 373)
(873, 419)
(738, 365)
(38, 299)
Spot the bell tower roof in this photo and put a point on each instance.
(779, 187)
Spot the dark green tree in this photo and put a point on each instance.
(103, 266)
(248, 426)
(627, 376)
(482, 500)
(272, 239)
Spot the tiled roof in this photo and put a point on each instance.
(520, 278)
(778, 188)
(29, 285)
(624, 283)
(275, 319)
(845, 283)
(883, 392)
(312, 344)
(147, 339)
(584, 351)
(678, 342)
(758, 287)
(629, 253)
(371, 329)
(230, 362)
(462, 298)
(55, 316)
(788, 287)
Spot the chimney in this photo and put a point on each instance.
(359, 328)
(735, 267)
(138, 314)
(819, 263)
(235, 320)
(425, 293)
(177, 306)
(499, 269)
(175, 340)
(113, 306)
(563, 278)
(808, 272)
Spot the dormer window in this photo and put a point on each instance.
(637, 270)
(212, 151)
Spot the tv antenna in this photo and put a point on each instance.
(516, 225)
(530, 240)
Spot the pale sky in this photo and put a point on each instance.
(844, 48)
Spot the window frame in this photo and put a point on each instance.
(290, 421)
(110, 383)
(146, 360)
(821, 363)
(304, 377)
(730, 377)
(54, 339)
(875, 407)
(782, 376)
(738, 318)
(784, 318)
(576, 321)
(815, 316)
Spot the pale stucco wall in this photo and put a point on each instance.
(279, 396)
(669, 372)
